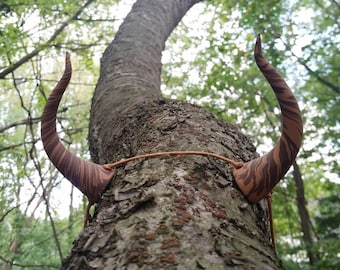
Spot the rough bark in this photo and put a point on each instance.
(181, 212)
(176, 212)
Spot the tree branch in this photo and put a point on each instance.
(42, 47)
(311, 72)
(26, 121)
(35, 266)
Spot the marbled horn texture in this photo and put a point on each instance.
(90, 178)
(258, 177)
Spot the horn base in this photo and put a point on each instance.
(254, 187)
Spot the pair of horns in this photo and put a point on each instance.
(255, 178)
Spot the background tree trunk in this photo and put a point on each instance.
(180, 212)
(305, 222)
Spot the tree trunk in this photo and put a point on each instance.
(172, 212)
(306, 227)
(131, 70)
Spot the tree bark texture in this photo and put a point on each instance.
(172, 212)
(180, 212)
(131, 66)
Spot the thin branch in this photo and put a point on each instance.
(26, 121)
(54, 230)
(36, 120)
(9, 211)
(335, 88)
(24, 80)
(330, 11)
(98, 20)
(313, 73)
(46, 191)
(35, 266)
(336, 3)
(48, 42)
(13, 146)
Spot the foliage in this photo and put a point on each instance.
(29, 241)
(208, 61)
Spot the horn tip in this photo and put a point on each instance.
(258, 46)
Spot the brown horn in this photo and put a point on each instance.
(258, 177)
(90, 178)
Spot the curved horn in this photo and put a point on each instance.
(90, 178)
(258, 177)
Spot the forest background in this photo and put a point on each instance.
(208, 61)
